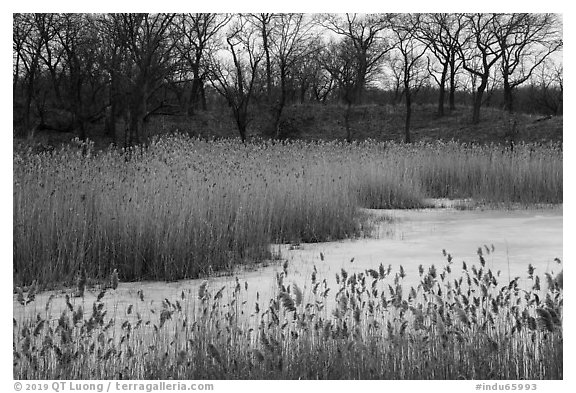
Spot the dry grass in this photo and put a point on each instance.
(378, 122)
(460, 322)
(186, 207)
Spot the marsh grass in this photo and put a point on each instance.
(184, 207)
(529, 174)
(460, 322)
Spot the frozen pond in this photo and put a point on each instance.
(412, 238)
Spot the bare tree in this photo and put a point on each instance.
(20, 31)
(235, 79)
(32, 34)
(548, 87)
(367, 42)
(27, 45)
(264, 24)
(441, 33)
(67, 82)
(526, 41)
(77, 37)
(196, 40)
(313, 81)
(290, 42)
(149, 49)
(479, 50)
(70, 69)
(393, 79)
(411, 52)
(323, 85)
(112, 59)
(52, 54)
(339, 60)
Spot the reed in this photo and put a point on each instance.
(459, 322)
(185, 207)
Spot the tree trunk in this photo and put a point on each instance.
(407, 137)
(15, 76)
(303, 91)
(268, 62)
(202, 96)
(137, 113)
(347, 121)
(408, 101)
(451, 101)
(79, 122)
(280, 106)
(28, 104)
(110, 122)
(442, 92)
(242, 131)
(508, 98)
(136, 120)
(113, 111)
(478, 100)
(56, 86)
(193, 101)
(195, 91)
(397, 96)
(77, 102)
(278, 118)
(360, 82)
(240, 123)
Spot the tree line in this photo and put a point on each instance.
(123, 68)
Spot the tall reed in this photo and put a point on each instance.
(185, 207)
(460, 322)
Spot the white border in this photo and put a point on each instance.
(290, 6)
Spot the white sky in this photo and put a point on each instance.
(288, 6)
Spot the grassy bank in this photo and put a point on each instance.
(377, 122)
(316, 122)
(460, 322)
(186, 207)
